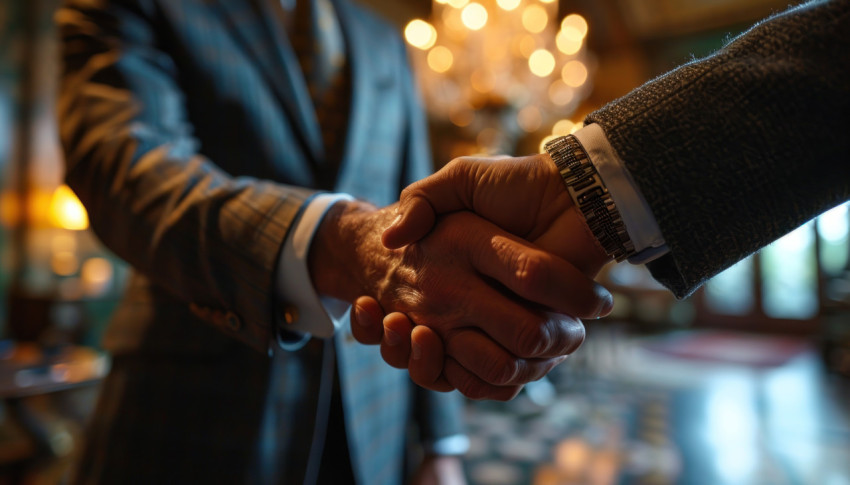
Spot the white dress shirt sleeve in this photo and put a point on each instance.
(309, 313)
(636, 214)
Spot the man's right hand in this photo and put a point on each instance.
(453, 281)
(524, 196)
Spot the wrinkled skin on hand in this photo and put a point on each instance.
(525, 197)
(462, 282)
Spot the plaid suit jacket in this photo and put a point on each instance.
(190, 138)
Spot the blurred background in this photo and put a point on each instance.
(746, 382)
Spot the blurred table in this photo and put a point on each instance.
(27, 369)
(33, 384)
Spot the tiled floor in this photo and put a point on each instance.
(621, 413)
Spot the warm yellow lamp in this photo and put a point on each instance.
(66, 210)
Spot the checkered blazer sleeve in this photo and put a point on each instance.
(175, 216)
(737, 149)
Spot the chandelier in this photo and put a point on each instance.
(501, 70)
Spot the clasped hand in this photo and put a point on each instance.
(489, 301)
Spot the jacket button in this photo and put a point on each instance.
(290, 314)
(201, 312)
(233, 321)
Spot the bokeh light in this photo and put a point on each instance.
(575, 21)
(569, 40)
(508, 4)
(563, 127)
(440, 59)
(420, 34)
(560, 94)
(534, 18)
(541, 63)
(66, 210)
(474, 16)
(574, 73)
(530, 119)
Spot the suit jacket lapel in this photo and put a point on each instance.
(360, 54)
(258, 28)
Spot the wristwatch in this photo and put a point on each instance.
(590, 195)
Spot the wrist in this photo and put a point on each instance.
(334, 259)
(567, 233)
(594, 255)
(591, 197)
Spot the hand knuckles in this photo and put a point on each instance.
(410, 191)
(468, 386)
(457, 165)
(531, 271)
(502, 372)
(475, 391)
(465, 382)
(536, 370)
(533, 340)
(576, 340)
(570, 336)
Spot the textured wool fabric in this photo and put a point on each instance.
(190, 136)
(737, 149)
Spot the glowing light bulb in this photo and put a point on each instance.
(440, 59)
(575, 21)
(508, 4)
(569, 40)
(534, 18)
(541, 63)
(420, 34)
(66, 210)
(574, 73)
(474, 16)
(563, 127)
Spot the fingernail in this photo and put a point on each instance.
(417, 351)
(396, 220)
(361, 317)
(391, 337)
(605, 306)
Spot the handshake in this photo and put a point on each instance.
(475, 280)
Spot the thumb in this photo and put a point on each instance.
(415, 219)
(448, 190)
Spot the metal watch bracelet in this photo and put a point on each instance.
(590, 195)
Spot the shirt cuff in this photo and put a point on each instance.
(456, 444)
(634, 210)
(304, 311)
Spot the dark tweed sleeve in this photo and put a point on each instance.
(737, 149)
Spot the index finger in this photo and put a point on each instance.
(541, 277)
